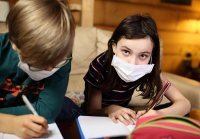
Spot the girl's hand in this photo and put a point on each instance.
(29, 126)
(124, 115)
(144, 113)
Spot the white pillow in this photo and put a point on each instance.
(84, 50)
(102, 40)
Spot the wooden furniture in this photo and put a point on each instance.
(12, 2)
(86, 10)
(195, 114)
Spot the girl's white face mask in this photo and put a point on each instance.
(36, 75)
(130, 72)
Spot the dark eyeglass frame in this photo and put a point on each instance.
(61, 64)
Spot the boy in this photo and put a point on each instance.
(35, 60)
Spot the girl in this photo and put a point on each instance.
(131, 61)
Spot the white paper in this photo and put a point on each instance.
(97, 127)
(54, 133)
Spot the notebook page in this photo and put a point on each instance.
(54, 133)
(97, 127)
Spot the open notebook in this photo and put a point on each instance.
(91, 127)
(54, 133)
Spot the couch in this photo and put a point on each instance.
(91, 41)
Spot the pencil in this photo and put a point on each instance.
(28, 104)
(159, 96)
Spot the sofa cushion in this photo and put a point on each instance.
(102, 40)
(188, 87)
(89, 42)
(83, 51)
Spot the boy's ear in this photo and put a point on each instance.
(14, 46)
(114, 47)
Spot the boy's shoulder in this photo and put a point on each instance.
(3, 36)
(4, 40)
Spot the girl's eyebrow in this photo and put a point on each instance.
(126, 48)
(144, 52)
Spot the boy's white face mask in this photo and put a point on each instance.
(36, 75)
(129, 72)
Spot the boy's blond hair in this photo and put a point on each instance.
(43, 31)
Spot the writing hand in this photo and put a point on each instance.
(144, 113)
(28, 126)
(124, 115)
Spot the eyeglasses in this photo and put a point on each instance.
(61, 64)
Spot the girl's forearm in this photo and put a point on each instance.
(179, 107)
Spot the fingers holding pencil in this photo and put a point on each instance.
(36, 119)
(28, 104)
(32, 125)
(28, 126)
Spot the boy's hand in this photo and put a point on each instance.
(124, 115)
(29, 126)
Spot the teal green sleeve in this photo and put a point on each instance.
(50, 99)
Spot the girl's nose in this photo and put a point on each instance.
(132, 61)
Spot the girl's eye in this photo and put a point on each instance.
(144, 56)
(125, 52)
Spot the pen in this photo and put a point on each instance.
(28, 104)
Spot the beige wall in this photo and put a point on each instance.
(179, 26)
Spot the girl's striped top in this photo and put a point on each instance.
(120, 95)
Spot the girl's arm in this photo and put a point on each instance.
(26, 126)
(115, 112)
(94, 102)
(180, 105)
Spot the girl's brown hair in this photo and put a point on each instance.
(136, 27)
